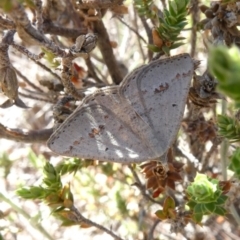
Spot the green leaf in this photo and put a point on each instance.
(33, 192)
(154, 48)
(161, 215)
(220, 211)
(210, 207)
(166, 14)
(197, 217)
(166, 50)
(182, 5)
(191, 204)
(181, 17)
(224, 63)
(171, 21)
(199, 209)
(169, 203)
(181, 25)
(221, 200)
(235, 162)
(180, 38)
(172, 10)
(176, 45)
(173, 5)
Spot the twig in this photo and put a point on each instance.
(34, 58)
(224, 147)
(25, 79)
(107, 52)
(195, 20)
(27, 136)
(78, 21)
(27, 53)
(138, 39)
(91, 70)
(81, 218)
(140, 186)
(151, 231)
(42, 94)
(235, 213)
(149, 34)
(132, 29)
(48, 70)
(37, 98)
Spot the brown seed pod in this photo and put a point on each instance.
(157, 41)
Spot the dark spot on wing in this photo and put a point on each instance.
(76, 143)
(161, 88)
(101, 127)
(91, 135)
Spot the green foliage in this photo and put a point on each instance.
(72, 165)
(168, 211)
(205, 197)
(229, 128)
(171, 23)
(51, 58)
(235, 163)
(51, 184)
(224, 63)
(170, 26)
(58, 197)
(145, 7)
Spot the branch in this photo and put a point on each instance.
(91, 70)
(152, 229)
(51, 28)
(107, 51)
(27, 136)
(25, 79)
(81, 218)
